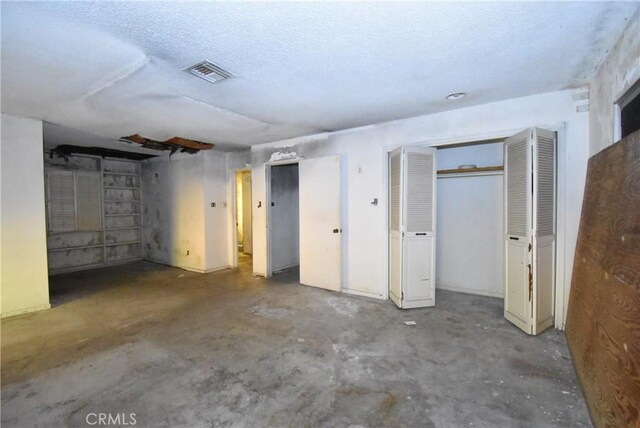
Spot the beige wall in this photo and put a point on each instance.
(619, 71)
(23, 240)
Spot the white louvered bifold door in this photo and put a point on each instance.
(88, 200)
(518, 195)
(419, 232)
(412, 177)
(395, 226)
(544, 239)
(61, 208)
(530, 225)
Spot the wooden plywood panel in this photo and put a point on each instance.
(603, 321)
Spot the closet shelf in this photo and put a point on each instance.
(483, 170)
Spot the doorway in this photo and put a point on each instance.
(284, 219)
(244, 226)
(304, 220)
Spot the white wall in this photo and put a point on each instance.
(619, 71)
(216, 218)
(173, 211)
(285, 217)
(469, 238)
(364, 151)
(23, 240)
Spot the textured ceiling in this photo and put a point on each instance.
(114, 69)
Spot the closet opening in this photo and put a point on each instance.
(495, 224)
(497, 234)
(469, 238)
(283, 219)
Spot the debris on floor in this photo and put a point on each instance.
(409, 323)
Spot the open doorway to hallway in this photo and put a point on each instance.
(244, 237)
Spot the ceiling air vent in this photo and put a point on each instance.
(209, 71)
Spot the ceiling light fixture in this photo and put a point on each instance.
(209, 71)
(455, 96)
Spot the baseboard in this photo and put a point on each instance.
(469, 291)
(25, 311)
(362, 293)
(189, 268)
(280, 269)
(196, 270)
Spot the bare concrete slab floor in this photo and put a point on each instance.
(182, 349)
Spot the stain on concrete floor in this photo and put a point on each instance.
(227, 349)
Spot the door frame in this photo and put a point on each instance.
(233, 256)
(561, 288)
(267, 188)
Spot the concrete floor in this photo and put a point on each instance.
(182, 349)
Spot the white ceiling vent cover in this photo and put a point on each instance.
(209, 71)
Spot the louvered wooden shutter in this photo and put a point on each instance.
(395, 189)
(546, 182)
(89, 208)
(516, 172)
(61, 201)
(419, 192)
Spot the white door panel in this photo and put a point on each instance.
(320, 223)
(395, 267)
(530, 211)
(544, 290)
(395, 226)
(419, 272)
(412, 208)
(517, 307)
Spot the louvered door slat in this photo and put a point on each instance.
(395, 190)
(419, 192)
(546, 163)
(88, 200)
(516, 174)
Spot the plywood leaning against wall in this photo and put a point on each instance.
(603, 323)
